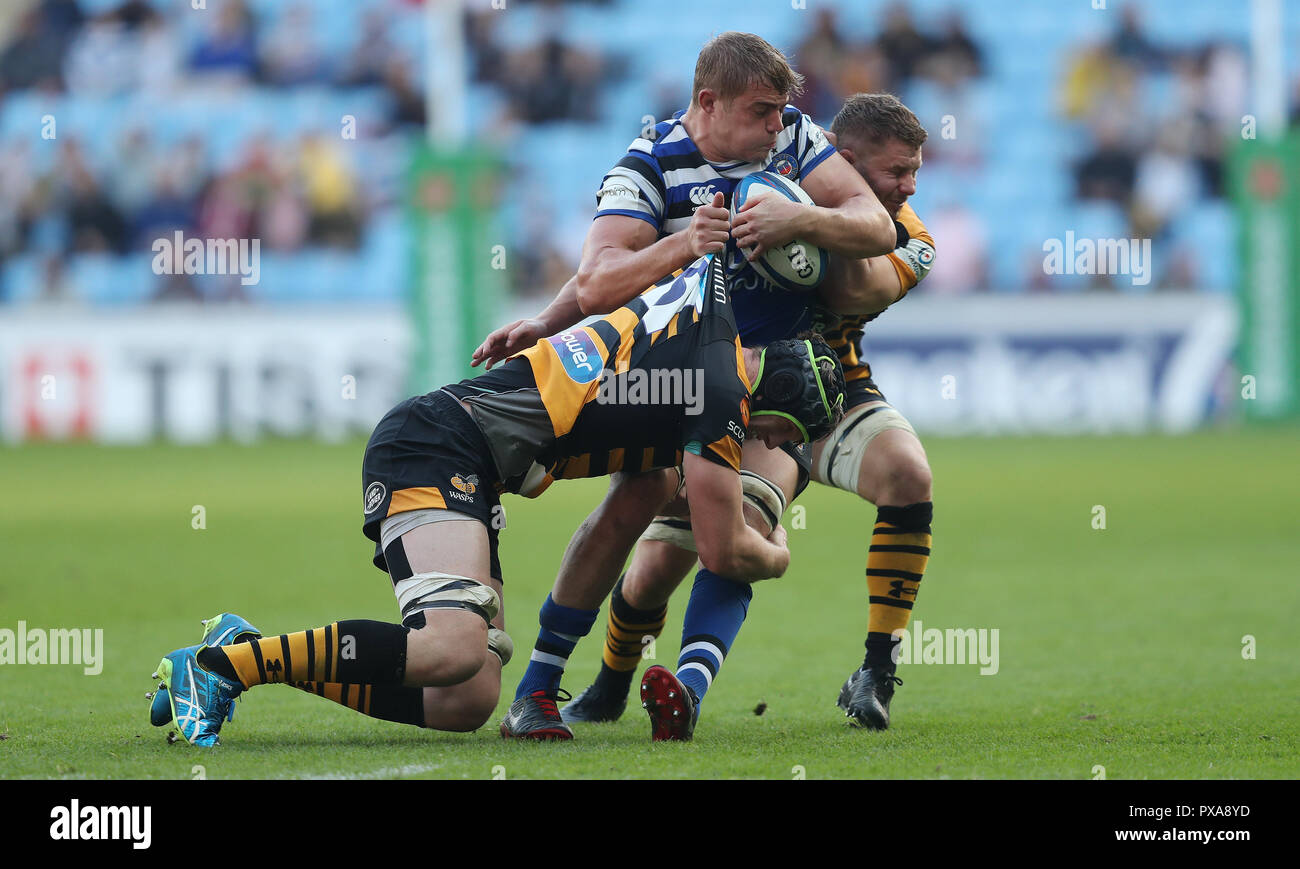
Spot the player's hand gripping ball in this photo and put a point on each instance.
(797, 266)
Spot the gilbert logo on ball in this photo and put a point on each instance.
(797, 265)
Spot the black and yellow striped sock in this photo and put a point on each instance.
(625, 635)
(356, 651)
(896, 561)
(388, 702)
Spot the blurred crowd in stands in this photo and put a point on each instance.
(1154, 166)
(116, 193)
(311, 190)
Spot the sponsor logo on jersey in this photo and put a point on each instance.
(719, 287)
(459, 496)
(615, 194)
(817, 137)
(737, 430)
(823, 320)
(467, 484)
(783, 165)
(578, 354)
(375, 493)
(918, 256)
(615, 190)
(702, 195)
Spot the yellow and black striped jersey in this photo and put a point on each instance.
(628, 392)
(912, 262)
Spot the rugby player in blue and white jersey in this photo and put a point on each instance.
(874, 453)
(660, 208)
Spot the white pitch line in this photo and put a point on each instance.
(385, 772)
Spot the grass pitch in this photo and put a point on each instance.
(1125, 648)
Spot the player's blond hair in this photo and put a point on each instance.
(874, 118)
(730, 63)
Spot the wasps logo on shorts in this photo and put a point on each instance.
(468, 485)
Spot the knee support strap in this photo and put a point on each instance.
(672, 530)
(841, 459)
(500, 644)
(425, 591)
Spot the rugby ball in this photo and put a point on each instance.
(797, 266)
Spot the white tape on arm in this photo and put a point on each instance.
(764, 495)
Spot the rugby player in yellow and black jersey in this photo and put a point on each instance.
(874, 452)
(436, 463)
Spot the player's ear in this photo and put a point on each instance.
(708, 100)
(847, 154)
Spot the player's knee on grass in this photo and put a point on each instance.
(465, 707)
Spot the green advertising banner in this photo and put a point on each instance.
(458, 261)
(1265, 181)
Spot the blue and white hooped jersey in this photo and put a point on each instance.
(663, 180)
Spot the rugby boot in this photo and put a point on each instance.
(535, 716)
(598, 702)
(866, 694)
(220, 630)
(673, 707)
(200, 699)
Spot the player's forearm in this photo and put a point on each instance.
(859, 286)
(564, 310)
(857, 229)
(612, 277)
(749, 558)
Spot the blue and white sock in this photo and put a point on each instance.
(562, 627)
(714, 615)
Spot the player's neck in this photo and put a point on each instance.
(697, 128)
(752, 359)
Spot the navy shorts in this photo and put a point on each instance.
(427, 453)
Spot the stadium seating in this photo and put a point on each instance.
(1023, 184)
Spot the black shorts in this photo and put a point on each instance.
(860, 392)
(802, 455)
(428, 453)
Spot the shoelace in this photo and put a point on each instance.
(547, 704)
(883, 680)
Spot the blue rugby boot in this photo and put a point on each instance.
(200, 700)
(220, 630)
(227, 628)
